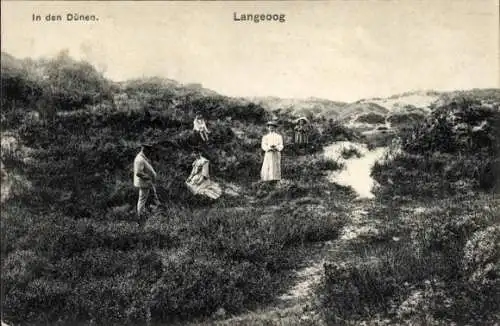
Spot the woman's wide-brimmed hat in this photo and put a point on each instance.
(147, 145)
(303, 119)
(272, 123)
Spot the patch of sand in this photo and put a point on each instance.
(356, 172)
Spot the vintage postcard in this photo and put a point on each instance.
(250, 162)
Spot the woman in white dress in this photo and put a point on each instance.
(199, 182)
(272, 145)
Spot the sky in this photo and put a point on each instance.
(340, 50)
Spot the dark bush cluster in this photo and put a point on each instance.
(455, 150)
(334, 130)
(48, 86)
(371, 118)
(350, 152)
(405, 119)
(465, 127)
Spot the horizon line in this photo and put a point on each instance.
(202, 85)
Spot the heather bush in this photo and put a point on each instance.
(374, 281)
(309, 168)
(481, 258)
(446, 230)
(349, 152)
(378, 138)
(426, 304)
(334, 130)
(307, 223)
(200, 286)
(49, 86)
(405, 119)
(371, 118)
(453, 151)
(436, 175)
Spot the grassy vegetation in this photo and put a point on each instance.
(404, 119)
(186, 262)
(371, 118)
(425, 275)
(72, 250)
(436, 259)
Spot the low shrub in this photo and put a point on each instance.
(349, 152)
(372, 283)
(200, 286)
(371, 118)
(481, 259)
(308, 169)
(399, 120)
(453, 151)
(436, 175)
(307, 223)
(379, 138)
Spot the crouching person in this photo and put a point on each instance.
(144, 178)
(199, 182)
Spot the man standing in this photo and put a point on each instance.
(272, 145)
(144, 177)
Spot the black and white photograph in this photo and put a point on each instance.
(253, 163)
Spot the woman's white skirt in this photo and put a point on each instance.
(205, 188)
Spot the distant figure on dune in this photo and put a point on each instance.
(394, 148)
(301, 132)
(272, 145)
(200, 126)
(199, 182)
(396, 144)
(144, 177)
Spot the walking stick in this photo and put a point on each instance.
(156, 196)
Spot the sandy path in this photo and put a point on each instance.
(357, 170)
(296, 307)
